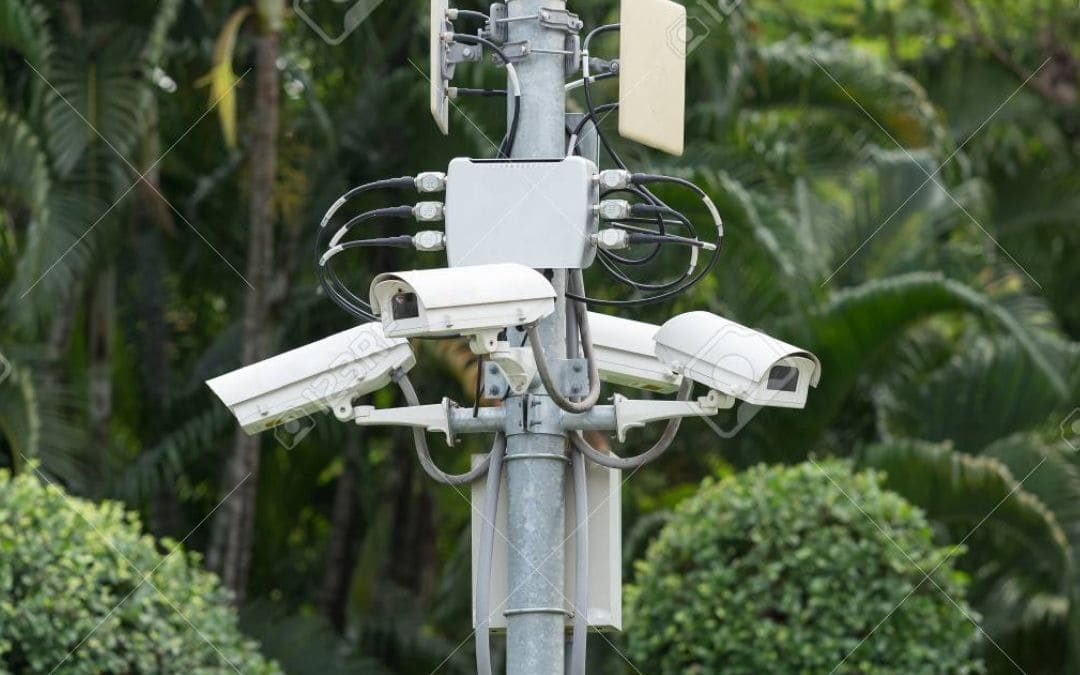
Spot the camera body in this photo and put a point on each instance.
(312, 378)
(626, 354)
(478, 301)
(738, 361)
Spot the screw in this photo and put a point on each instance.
(493, 391)
(493, 369)
(575, 389)
(577, 367)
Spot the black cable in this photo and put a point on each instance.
(472, 14)
(654, 201)
(650, 237)
(655, 298)
(621, 277)
(599, 30)
(465, 91)
(649, 257)
(479, 385)
(590, 117)
(403, 212)
(403, 183)
(646, 178)
(402, 241)
(331, 283)
(507, 146)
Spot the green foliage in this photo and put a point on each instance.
(793, 569)
(82, 590)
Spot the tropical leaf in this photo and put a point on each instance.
(833, 76)
(857, 324)
(23, 29)
(1019, 555)
(222, 78)
(986, 392)
(95, 99)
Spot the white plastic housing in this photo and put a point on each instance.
(537, 213)
(738, 361)
(477, 300)
(440, 104)
(604, 494)
(312, 378)
(626, 354)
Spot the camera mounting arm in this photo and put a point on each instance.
(450, 419)
(446, 418)
(628, 414)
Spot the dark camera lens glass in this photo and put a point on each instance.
(405, 306)
(783, 378)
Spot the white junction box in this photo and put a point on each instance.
(537, 213)
(605, 549)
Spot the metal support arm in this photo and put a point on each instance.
(631, 414)
(450, 419)
(446, 418)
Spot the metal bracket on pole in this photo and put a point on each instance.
(457, 52)
(497, 30)
(514, 364)
(573, 54)
(633, 414)
(513, 369)
(561, 19)
(515, 51)
(435, 417)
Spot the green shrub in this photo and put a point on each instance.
(73, 599)
(776, 571)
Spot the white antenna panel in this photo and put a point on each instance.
(652, 73)
(440, 102)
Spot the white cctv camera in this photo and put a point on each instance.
(626, 354)
(738, 361)
(312, 378)
(477, 301)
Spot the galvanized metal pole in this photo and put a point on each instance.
(536, 462)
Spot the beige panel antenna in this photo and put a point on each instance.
(440, 103)
(652, 73)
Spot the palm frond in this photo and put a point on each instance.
(986, 392)
(1014, 540)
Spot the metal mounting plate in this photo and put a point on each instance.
(652, 73)
(604, 495)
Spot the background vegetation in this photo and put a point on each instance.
(899, 182)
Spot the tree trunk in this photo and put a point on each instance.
(101, 319)
(341, 549)
(233, 561)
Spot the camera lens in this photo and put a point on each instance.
(405, 306)
(783, 378)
